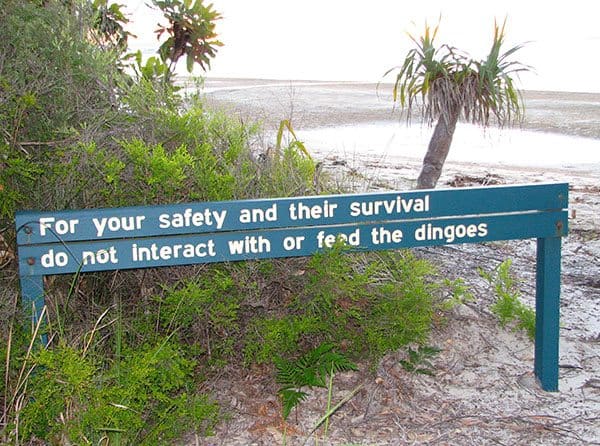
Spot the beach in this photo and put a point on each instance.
(483, 391)
(325, 103)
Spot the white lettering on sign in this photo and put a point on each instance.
(52, 259)
(382, 235)
(389, 207)
(113, 224)
(250, 244)
(59, 227)
(293, 242)
(258, 215)
(190, 218)
(302, 211)
(101, 256)
(327, 240)
(451, 232)
(168, 252)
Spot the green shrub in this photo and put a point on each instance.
(53, 79)
(17, 178)
(144, 398)
(367, 304)
(405, 308)
(290, 174)
(508, 308)
(76, 132)
(197, 155)
(55, 87)
(61, 389)
(281, 335)
(418, 361)
(204, 312)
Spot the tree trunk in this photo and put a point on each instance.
(438, 149)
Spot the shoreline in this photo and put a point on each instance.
(313, 104)
(182, 80)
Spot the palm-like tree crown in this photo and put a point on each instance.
(449, 82)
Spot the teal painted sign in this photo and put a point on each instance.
(65, 242)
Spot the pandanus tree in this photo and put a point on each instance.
(445, 85)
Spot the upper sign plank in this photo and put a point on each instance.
(209, 217)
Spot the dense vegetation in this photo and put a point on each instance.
(83, 125)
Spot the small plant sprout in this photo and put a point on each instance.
(419, 360)
(508, 308)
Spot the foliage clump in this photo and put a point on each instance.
(77, 131)
(309, 370)
(508, 308)
(53, 87)
(367, 304)
(127, 375)
(133, 400)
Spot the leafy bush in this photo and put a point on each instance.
(53, 80)
(508, 308)
(418, 361)
(53, 85)
(75, 131)
(62, 390)
(196, 155)
(365, 303)
(405, 310)
(272, 336)
(204, 312)
(135, 400)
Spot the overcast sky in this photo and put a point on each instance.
(360, 40)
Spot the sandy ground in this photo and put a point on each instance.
(483, 391)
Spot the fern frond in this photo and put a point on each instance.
(310, 370)
(290, 398)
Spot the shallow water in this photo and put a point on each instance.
(470, 144)
(561, 129)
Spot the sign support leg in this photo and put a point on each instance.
(547, 312)
(32, 292)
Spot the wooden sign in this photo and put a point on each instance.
(66, 242)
